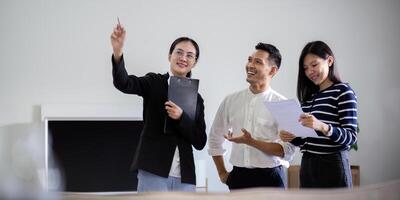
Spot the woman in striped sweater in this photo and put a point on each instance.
(330, 108)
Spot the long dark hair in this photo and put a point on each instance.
(186, 39)
(305, 87)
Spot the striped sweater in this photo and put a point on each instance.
(337, 107)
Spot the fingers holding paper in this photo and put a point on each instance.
(307, 120)
(244, 138)
(310, 121)
(173, 110)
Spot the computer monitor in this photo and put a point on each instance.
(94, 155)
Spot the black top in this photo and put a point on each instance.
(156, 149)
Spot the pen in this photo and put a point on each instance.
(119, 24)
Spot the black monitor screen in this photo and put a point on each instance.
(95, 156)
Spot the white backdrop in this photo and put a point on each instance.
(59, 52)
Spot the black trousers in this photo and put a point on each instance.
(325, 171)
(240, 178)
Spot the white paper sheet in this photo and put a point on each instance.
(287, 114)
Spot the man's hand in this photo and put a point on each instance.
(173, 110)
(219, 164)
(266, 147)
(223, 177)
(117, 41)
(245, 138)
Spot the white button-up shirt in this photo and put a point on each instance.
(246, 110)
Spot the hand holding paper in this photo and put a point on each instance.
(308, 120)
(287, 113)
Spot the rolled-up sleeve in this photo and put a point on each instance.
(217, 131)
(288, 150)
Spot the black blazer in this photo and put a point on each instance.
(156, 149)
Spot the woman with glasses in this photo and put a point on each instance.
(164, 161)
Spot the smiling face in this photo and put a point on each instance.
(259, 69)
(317, 69)
(182, 59)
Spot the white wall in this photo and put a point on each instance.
(59, 52)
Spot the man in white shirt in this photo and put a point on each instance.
(257, 154)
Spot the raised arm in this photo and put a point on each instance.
(117, 41)
(130, 84)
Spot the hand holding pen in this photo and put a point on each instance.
(117, 40)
